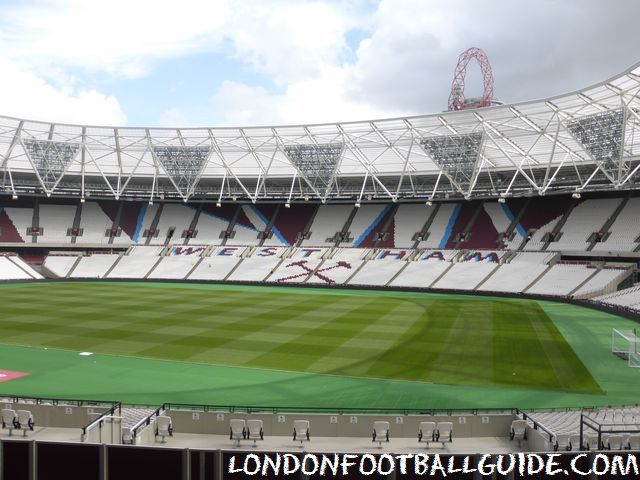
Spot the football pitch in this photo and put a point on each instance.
(149, 343)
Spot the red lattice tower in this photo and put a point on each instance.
(456, 98)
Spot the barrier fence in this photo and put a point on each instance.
(31, 460)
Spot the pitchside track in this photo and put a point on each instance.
(153, 343)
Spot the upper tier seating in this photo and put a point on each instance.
(173, 222)
(372, 225)
(501, 217)
(367, 218)
(441, 226)
(210, 226)
(94, 224)
(249, 223)
(289, 224)
(145, 220)
(408, 220)
(55, 221)
(586, 218)
(625, 230)
(329, 220)
(537, 214)
(21, 219)
(536, 241)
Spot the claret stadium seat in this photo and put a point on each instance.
(9, 420)
(237, 430)
(25, 421)
(301, 431)
(427, 432)
(380, 432)
(255, 430)
(164, 427)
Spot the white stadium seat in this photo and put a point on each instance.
(255, 430)
(24, 421)
(380, 432)
(237, 430)
(301, 431)
(164, 427)
(518, 431)
(10, 420)
(427, 432)
(444, 432)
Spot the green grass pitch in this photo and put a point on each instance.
(265, 345)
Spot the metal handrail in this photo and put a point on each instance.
(537, 425)
(334, 410)
(100, 418)
(57, 401)
(595, 425)
(146, 421)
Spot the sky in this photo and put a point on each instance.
(264, 62)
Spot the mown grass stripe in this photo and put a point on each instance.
(435, 338)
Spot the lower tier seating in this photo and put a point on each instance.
(13, 267)
(627, 298)
(539, 273)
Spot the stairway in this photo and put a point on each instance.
(130, 418)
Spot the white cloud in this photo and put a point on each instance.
(120, 37)
(291, 40)
(296, 44)
(174, 117)
(287, 39)
(323, 99)
(25, 95)
(403, 65)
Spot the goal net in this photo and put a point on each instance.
(625, 344)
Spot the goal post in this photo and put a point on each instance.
(624, 344)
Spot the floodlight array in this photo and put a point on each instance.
(601, 136)
(456, 155)
(50, 159)
(317, 164)
(182, 163)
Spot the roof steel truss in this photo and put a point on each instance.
(584, 140)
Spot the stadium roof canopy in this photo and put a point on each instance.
(582, 141)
